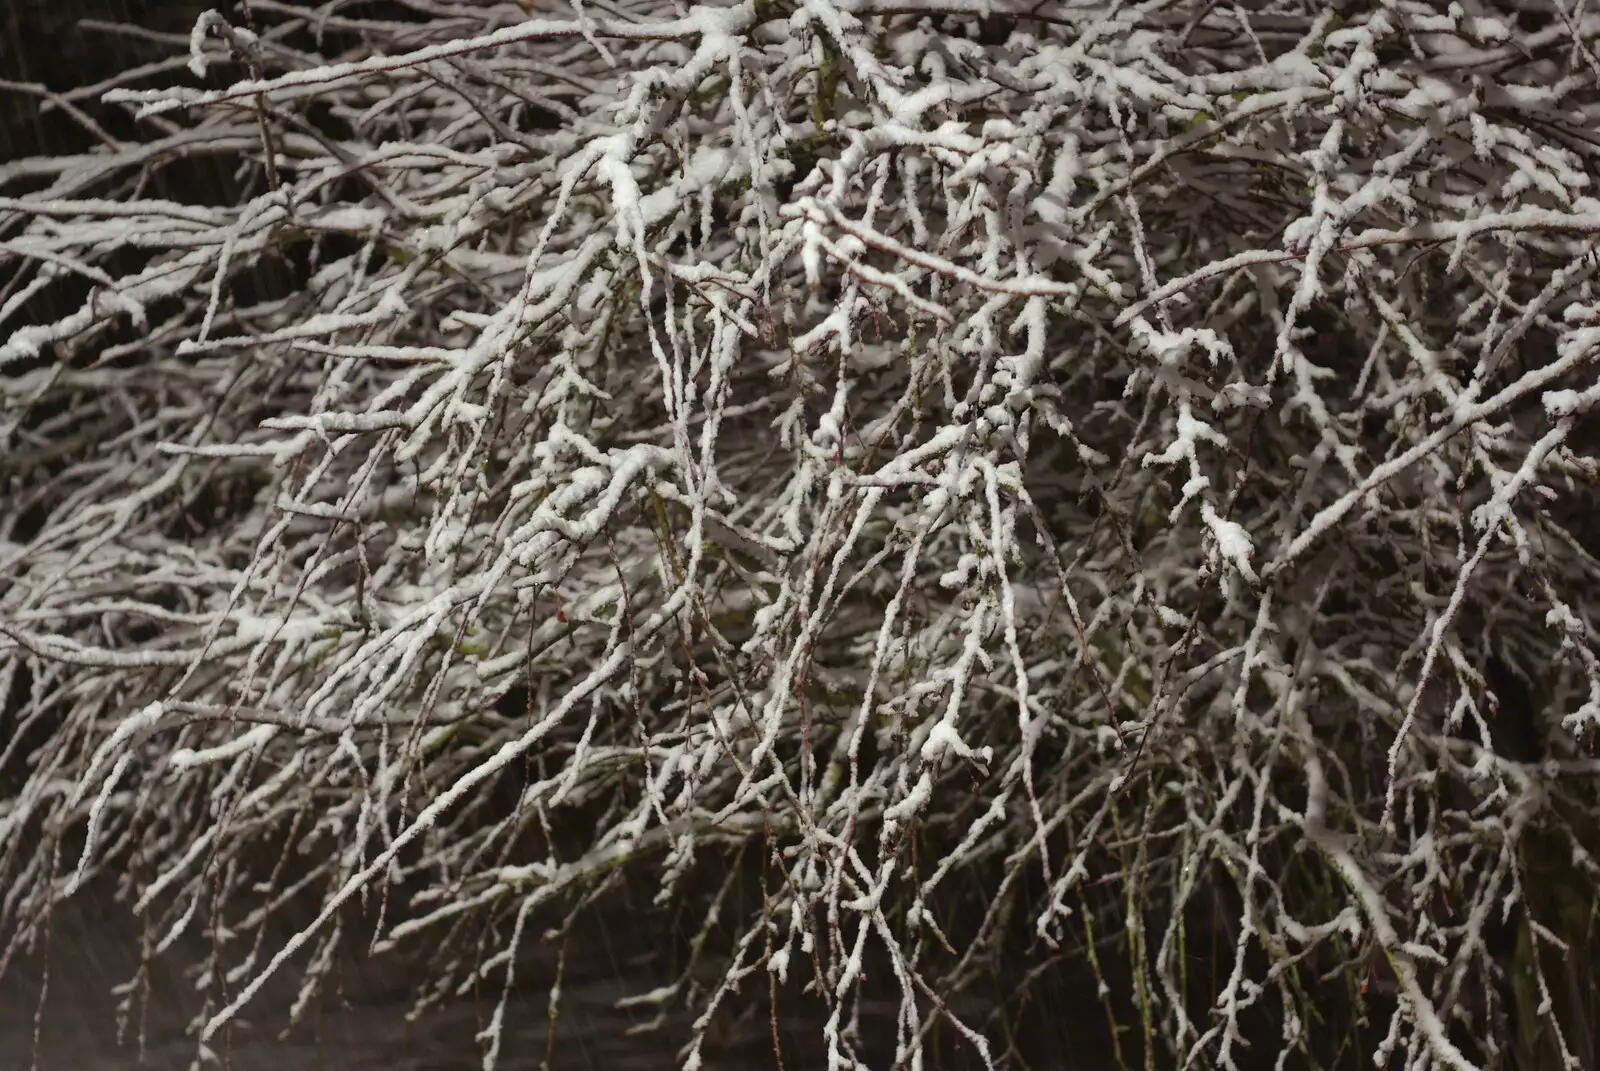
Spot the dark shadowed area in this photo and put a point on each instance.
(59, 46)
(91, 954)
(360, 1025)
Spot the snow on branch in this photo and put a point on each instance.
(1133, 459)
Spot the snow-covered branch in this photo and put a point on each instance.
(1138, 457)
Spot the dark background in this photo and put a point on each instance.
(42, 43)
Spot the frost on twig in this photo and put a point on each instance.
(1062, 485)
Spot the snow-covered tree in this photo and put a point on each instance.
(1052, 484)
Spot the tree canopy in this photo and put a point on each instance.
(1048, 480)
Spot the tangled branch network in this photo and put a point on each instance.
(1051, 481)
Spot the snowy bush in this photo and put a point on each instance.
(1063, 485)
